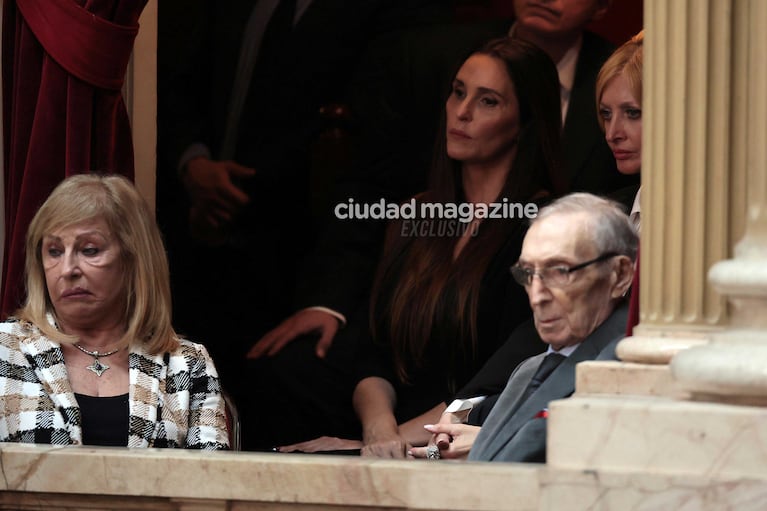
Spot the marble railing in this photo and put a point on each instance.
(74, 478)
(45, 477)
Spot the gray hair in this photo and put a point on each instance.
(610, 227)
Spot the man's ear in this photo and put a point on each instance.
(602, 7)
(624, 275)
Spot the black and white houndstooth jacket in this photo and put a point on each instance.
(174, 399)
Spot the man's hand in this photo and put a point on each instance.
(388, 446)
(322, 444)
(216, 199)
(302, 322)
(461, 438)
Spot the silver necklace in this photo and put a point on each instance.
(97, 366)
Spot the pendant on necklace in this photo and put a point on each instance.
(97, 367)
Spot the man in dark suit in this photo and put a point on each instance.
(398, 97)
(242, 83)
(576, 265)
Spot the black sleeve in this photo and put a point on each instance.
(479, 413)
(198, 45)
(374, 358)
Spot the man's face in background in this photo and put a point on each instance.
(557, 18)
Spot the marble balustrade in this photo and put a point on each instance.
(83, 478)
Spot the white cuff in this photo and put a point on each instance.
(340, 317)
(461, 405)
(193, 151)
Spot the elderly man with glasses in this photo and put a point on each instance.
(576, 265)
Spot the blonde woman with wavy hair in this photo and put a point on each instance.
(619, 104)
(92, 352)
(619, 108)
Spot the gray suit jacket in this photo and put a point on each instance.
(515, 430)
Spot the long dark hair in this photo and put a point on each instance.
(415, 275)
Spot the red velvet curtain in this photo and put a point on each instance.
(64, 63)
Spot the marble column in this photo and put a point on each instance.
(690, 202)
(715, 193)
(140, 93)
(733, 367)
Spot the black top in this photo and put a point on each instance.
(503, 305)
(105, 420)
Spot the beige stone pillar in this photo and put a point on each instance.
(725, 43)
(687, 190)
(140, 94)
(733, 367)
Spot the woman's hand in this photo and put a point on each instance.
(374, 400)
(461, 437)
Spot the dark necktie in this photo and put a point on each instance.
(550, 362)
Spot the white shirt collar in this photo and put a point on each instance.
(566, 351)
(566, 70)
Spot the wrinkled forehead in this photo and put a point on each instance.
(97, 224)
(561, 237)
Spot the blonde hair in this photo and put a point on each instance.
(626, 60)
(147, 282)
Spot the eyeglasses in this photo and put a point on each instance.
(554, 276)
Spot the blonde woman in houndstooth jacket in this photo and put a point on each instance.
(91, 358)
